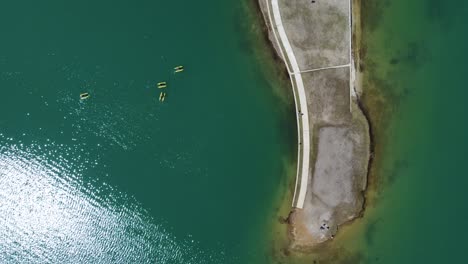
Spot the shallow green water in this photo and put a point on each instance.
(415, 56)
(415, 90)
(121, 177)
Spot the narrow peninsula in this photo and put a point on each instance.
(316, 41)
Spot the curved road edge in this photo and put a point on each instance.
(302, 176)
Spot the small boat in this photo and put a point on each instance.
(162, 96)
(84, 96)
(162, 85)
(179, 68)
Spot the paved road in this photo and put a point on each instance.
(301, 105)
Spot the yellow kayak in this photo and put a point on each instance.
(162, 85)
(84, 96)
(179, 68)
(162, 96)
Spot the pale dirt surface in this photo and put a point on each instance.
(334, 195)
(318, 32)
(328, 96)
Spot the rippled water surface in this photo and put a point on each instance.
(49, 214)
(121, 177)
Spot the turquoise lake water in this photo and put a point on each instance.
(121, 177)
(416, 59)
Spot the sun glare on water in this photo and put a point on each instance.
(48, 214)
